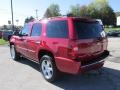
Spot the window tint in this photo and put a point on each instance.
(86, 30)
(25, 30)
(57, 29)
(36, 30)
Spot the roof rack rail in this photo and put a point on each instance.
(62, 16)
(55, 17)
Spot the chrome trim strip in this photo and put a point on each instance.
(30, 50)
(33, 60)
(27, 49)
(21, 48)
(92, 64)
(30, 59)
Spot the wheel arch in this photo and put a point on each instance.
(45, 52)
(11, 43)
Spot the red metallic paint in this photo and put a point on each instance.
(68, 53)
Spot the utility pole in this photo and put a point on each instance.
(12, 15)
(36, 14)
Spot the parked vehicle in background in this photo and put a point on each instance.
(0, 34)
(7, 35)
(16, 32)
(114, 33)
(62, 44)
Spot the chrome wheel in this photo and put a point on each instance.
(47, 68)
(12, 50)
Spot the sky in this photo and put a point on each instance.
(26, 8)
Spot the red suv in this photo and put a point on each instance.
(62, 44)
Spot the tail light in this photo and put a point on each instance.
(72, 50)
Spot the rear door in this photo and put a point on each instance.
(33, 41)
(91, 38)
(57, 37)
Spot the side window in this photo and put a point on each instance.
(57, 29)
(37, 29)
(25, 30)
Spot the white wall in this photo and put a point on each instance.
(118, 21)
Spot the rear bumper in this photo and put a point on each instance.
(75, 67)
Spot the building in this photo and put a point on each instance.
(118, 20)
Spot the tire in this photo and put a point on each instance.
(14, 54)
(48, 68)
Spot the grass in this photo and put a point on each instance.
(3, 42)
(112, 29)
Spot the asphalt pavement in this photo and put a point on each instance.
(25, 75)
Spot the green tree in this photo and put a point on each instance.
(47, 13)
(78, 11)
(108, 16)
(74, 11)
(52, 11)
(29, 19)
(101, 9)
(70, 14)
(84, 11)
(117, 13)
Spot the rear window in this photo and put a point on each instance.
(57, 29)
(88, 30)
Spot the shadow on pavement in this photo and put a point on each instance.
(29, 63)
(105, 79)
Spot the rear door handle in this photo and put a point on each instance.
(55, 42)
